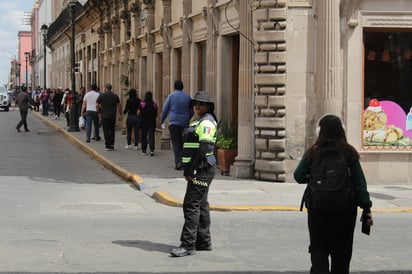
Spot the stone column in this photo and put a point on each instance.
(186, 25)
(211, 52)
(270, 21)
(329, 91)
(167, 17)
(244, 162)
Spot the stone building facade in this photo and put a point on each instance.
(272, 66)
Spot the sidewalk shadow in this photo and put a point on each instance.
(145, 245)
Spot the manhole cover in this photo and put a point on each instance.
(46, 132)
(92, 207)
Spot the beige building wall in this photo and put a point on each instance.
(296, 59)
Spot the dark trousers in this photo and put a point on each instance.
(196, 229)
(23, 120)
(57, 109)
(92, 118)
(177, 141)
(331, 234)
(109, 127)
(132, 125)
(148, 132)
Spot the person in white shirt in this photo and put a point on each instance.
(92, 116)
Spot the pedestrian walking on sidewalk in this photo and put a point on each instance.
(57, 99)
(331, 231)
(45, 99)
(133, 120)
(177, 107)
(199, 166)
(23, 102)
(108, 103)
(148, 113)
(92, 116)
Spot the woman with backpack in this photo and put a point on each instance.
(148, 114)
(331, 220)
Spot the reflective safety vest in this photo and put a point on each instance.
(204, 130)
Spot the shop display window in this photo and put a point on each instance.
(387, 116)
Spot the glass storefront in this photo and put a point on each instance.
(387, 116)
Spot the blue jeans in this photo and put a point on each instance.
(92, 117)
(177, 141)
(133, 123)
(45, 111)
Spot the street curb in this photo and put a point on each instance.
(165, 198)
(127, 176)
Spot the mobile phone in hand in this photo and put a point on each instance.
(366, 229)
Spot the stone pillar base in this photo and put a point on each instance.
(165, 144)
(242, 169)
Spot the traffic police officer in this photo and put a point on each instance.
(199, 164)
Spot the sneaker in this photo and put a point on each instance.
(143, 152)
(127, 146)
(136, 148)
(151, 153)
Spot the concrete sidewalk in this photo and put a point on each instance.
(156, 177)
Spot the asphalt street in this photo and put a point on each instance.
(63, 211)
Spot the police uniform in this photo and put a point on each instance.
(199, 163)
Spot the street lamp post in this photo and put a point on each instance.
(18, 77)
(27, 55)
(44, 28)
(74, 119)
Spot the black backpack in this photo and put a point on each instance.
(330, 186)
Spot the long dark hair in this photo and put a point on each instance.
(148, 97)
(331, 132)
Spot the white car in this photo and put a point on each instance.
(5, 99)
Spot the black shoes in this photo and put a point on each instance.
(98, 138)
(18, 130)
(178, 166)
(204, 248)
(88, 140)
(181, 252)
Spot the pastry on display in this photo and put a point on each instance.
(374, 118)
(375, 129)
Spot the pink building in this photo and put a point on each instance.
(25, 46)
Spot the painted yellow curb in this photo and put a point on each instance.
(165, 198)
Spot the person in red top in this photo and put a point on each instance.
(44, 99)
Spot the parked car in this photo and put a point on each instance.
(5, 99)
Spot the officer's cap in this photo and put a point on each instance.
(202, 96)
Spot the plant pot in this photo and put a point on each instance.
(226, 158)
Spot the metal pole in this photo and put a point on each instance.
(44, 60)
(74, 119)
(27, 83)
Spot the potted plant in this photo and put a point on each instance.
(226, 144)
